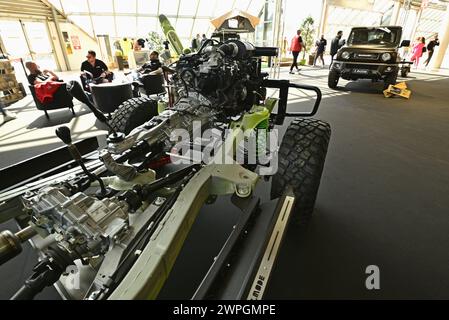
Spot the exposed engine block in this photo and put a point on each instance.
(227, 75)
(213, 85)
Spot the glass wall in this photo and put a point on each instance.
(13, 38)
(344, 19)
(136, 18)
(429, 23)
(264, 31)
(29, 42)
(40, 45)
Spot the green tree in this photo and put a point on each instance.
(155, 41)
(307, 32)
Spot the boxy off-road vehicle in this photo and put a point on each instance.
(370, 53)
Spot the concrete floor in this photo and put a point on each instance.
(382, 201)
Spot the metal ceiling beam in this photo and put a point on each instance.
(158, 8)
(137, 22)
(27, 40)
(61, 14)
(40, 14)
(91, 20)
(24, 7)
(147, 15)
(177, 11)
(416, 4)
(249, 5)
(53, 46)
(194, 18)
(115, 18)
(61, 39)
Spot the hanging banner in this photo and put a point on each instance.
(76, 42)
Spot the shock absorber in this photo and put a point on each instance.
(262, 132)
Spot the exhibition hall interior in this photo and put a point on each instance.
(235, 150)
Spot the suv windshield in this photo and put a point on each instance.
(374, 36)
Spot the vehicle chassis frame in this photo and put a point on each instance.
(161, 252)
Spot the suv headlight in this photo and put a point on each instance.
(386, 56)
(345, 55)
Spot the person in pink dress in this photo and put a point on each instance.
(418, 50)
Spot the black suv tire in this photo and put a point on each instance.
(332, 80)
(133, 113)
(301, 161)
(391, 79)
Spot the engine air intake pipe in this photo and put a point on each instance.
(266, 52)
(240, 49)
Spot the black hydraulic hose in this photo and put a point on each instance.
(206, 43)
(181, 76)
(64, 134)
(93, 177)
(168, 180)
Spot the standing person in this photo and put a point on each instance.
(126, 46)
(196, 43)
(296, 46)
(336, 45)
(7, 116)
(203, 39)
(418, 51)
(431, 48)
(139, 44)
(166, 55)
(320, 48)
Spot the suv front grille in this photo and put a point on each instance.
(361, 66)
(366, 56)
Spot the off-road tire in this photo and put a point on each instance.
(404, 73)
(133, 113)
(301, 161)
(332, 80)
(391, 79)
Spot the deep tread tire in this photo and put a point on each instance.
(390, 80)
(332, 80)
(133, 113)
(301, 161)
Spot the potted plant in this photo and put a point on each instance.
(307, 33)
